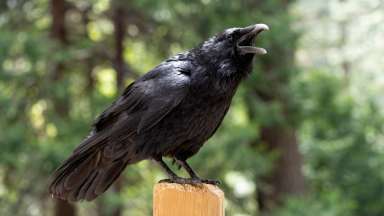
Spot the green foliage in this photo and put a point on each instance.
(340, 142)
(340, 132)
(332, 203)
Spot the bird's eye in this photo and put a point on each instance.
(231, 37)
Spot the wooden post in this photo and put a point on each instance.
(187, 200)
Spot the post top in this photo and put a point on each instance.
(170, 199)
(201, 188)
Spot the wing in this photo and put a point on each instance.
(153, 96)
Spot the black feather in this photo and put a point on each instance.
(170, 111)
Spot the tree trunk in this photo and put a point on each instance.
(119, 24)
(89, 61)
(286, 177)
(58, 29)
(63, 208)
(117, 188)
(346, 64)
(120, 31)
(59, 34)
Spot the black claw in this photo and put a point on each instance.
(178, 165)
(191, 181)
(179, 180)
(165, 181)
(211, 181)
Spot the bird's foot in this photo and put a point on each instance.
(180, 180)
(210, 181)
(191, 181)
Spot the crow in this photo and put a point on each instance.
(171, 111)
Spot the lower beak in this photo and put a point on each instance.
(248, 35)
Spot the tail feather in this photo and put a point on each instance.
(74, 178)
(109, 177)
(86, 173)
(85, 191)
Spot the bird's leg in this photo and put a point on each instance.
(165, 168)
(193, 175)
(173, 163)
(187, 168)
(172, 177)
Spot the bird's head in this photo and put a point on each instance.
(232, 50)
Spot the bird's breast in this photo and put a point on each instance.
(202, 114)
(192, 122)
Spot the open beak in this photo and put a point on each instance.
(245, 42)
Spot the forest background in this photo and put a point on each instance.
(304, 135)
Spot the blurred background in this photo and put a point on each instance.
(304, 135)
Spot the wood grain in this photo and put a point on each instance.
(187, 200)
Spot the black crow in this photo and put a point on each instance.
(168, 112)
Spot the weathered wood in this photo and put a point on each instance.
(187, 200)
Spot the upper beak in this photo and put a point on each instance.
(248, 35)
